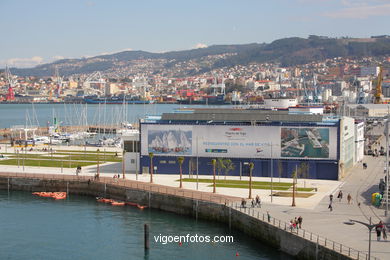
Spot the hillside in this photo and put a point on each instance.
(287, 51)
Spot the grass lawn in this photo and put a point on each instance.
(82, 151)
(238, 182)
(45, 163)
(74, 157)
(305, 189)
(258, 187)
(264, 185)
(297, 195)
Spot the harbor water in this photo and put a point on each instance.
(80, 114)
(81, 228)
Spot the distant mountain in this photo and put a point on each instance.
(287, 51)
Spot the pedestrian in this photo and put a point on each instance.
(349, 198)
(384, 229)
(243, 202)
(340, 195)
(330, 198)
(268, 216)
(330, 206)
(378, 229)
(291, 225)
(296, 223)
(253, 203)
(257, 200)
(119, 176)
(300, 221)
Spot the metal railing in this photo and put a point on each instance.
(231, 202)
(321, 241)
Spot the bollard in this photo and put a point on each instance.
(146, 236)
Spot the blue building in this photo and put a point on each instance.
(274, 141)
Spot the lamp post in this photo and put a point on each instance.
(197, 164)
(98, 166)
(387, 167)
(272, 172)
(151, 166)
(370, 227)
(123, 164)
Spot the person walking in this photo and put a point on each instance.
(268, 216)
(291, 225)
(340, 196)
(253, 203)
(378, 230)
(384, 230)
(243, 202)
(349, 198)
(331, 198)
(330, 206)
(300, 221)
(257, 200)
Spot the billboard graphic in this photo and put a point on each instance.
(170, 142)
(305, 142)
(235, 141)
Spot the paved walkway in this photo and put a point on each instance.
(316, 216)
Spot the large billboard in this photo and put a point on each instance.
(240, 141)
(305, 142)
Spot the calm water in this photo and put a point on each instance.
(81, 228)
(78, 114)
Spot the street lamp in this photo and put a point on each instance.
(387, 166)
(370, 227)
(98, 167)
(123, 164)
(151, 166)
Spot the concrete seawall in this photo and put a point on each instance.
(276, 236)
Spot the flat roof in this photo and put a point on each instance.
(240, 115)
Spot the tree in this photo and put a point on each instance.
(214, 162)
(229, 166)
(303, 170)
(151, 166)
(220, 166)
(251, 166)
(180, 160)
(294, 175)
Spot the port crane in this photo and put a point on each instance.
(317, 97)
(95, 78)
(11, 84)
(58, 89)
(378, 90)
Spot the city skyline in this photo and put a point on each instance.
(44, 31)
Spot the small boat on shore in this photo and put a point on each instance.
(54, 195)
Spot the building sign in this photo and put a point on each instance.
(240, 141)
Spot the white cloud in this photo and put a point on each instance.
(22, 62)
(360, 10)
(200, 45)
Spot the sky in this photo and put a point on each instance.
(41, 31)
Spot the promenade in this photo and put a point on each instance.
(314, 210)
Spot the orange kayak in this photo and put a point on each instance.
(117, 203)
(141, 207)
